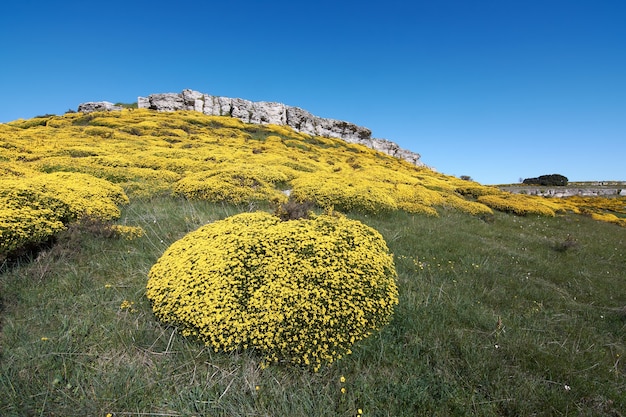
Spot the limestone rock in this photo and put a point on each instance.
(193, 100)
(97, 106)
(568, 191)
(392, 148)
(142, 103)
(166, 102)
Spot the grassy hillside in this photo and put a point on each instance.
(499, 313)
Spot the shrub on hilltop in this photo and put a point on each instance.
(300, 291)
(547, 180)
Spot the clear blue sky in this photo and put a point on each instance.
(495, 89)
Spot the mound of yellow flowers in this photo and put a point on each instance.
(35, 206)
(300, 291)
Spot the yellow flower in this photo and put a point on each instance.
(343, 390)
(342, 379)
(44, 339)
(127, 305)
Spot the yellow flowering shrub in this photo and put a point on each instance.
(473, 189)
(15, 170)
(596, 204)
(24, 226)
(472, 207)
(300, 291)
(217, 158)
(241, 186)
(127, 232)
(34, 208)
(610, 218)
(518, 204)
(344, 192)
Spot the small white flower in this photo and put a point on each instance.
(567, 387)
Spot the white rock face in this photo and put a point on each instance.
(263, 112)
(392, 148)
(566, 191)
(97, 106)
(166, 102)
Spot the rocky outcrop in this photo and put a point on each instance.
(393, 149)
(97, 106)
(567, 191)
(262, 112)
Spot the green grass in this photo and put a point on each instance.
(514, 316)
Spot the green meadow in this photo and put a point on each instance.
(513, 316)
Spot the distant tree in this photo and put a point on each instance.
(466, 178)
(550, 180)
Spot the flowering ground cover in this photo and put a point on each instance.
(222, 159)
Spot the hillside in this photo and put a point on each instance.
(214, 158)
(506, 304)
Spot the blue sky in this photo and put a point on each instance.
(494, 89)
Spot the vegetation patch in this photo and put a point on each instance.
(547, 180)
(300, 291)
(237, 187)
(36, 207)
(518, 204)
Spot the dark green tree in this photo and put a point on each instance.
(553, 179)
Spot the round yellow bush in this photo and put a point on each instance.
(300, 291)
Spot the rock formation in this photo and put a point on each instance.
(566, 191)
(262, 112)
(97, 106)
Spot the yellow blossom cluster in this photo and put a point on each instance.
(299, 291)
(36, 206)
(520, 204)
(610, 218)
(615, 204)
(127, 232)
(600, 208)
(344, 192)
(235, 186)
(128, 306)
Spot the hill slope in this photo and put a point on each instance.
(214, 158)
(498, 314)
